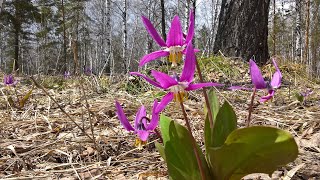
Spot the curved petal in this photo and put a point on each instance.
(256, 76)
(163, 103)
(122, 117)
(152, 56)
(267, 97)
(277, 76)
(191, 27)
(143, 135)
(140, 114)
(153, 32)
(189, 65)
(201, 85)
(165, 80)
(149, 80)
(175, 36)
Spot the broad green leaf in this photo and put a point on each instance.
(25, 98)
(214, 105)
(225, 123)
(179, 153)
(253, 150)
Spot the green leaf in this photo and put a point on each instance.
(25, 98)
(299, 97)
(161, 150)
(179, 154)
(253, 150)
(214, 105)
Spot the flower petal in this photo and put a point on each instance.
(152, 56)
(267, 97)
(191, 27)
(155, 117)
(122, 117)
(189, 65)
(256, 76)
(149, 80)
(164, 102)
(165, 80)
(140, 114)
(277, 76)
(201, 85)
(153, 32)
(143, 135)
(175, 37)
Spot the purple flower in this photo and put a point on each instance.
(141, 126)
(67, 74)
(8, 80)
(175, 45)
(177, 86)
(87, 71)
(260, 83)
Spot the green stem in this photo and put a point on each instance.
(251, 107)
(195, 150)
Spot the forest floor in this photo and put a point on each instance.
(41, 141)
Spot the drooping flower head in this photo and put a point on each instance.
(260, 83)
(67, 74)
(8, 80)
(141, 125)
(175, 45)
(88, 71)
(178, 86)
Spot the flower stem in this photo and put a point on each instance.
(192, 139)
(206, 98)
(251, 107)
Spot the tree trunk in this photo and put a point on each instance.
(64, 38)
(243, 29)
(306, 46)
(163, 21)
(124, 36)
(298, 35)
(16, 51)
(108, 35)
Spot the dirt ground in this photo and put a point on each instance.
(44, 140)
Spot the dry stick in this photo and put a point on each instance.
(90, 119)
(206, 98)
(63, 111)
(192, 138)
(251, 106)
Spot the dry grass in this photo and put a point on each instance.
(41, 142)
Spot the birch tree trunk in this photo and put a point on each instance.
(306, 45)
(298, 33)
(124, 36)
(108, 35)
(64, 37)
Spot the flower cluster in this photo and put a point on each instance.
(176, 85)
(178, 47)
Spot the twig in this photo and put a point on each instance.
(63, 111)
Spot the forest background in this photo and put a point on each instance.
(107, 36)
